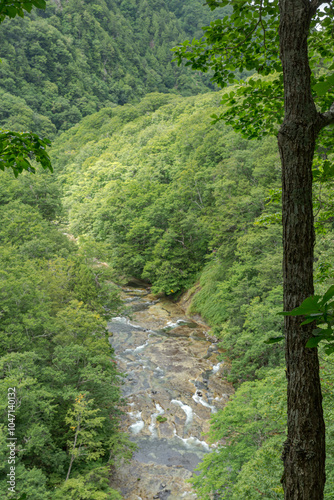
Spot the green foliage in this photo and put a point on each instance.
(248, 38)
(159, 206)
(54, 348)
(162, 194)
(249, 434)
(254, 416)
(170, 198)
(16, 115)
(327, 384)
(10, 8)
(180, 206)
(244, 344)
(84, 422)
(16, 149)
(74, 58)
(40, 192)
(318, 309)
(30, 207)
(90, 486)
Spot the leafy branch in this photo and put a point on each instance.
(320, 310)
(18, 149)
(12, 8)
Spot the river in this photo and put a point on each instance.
(173, 384)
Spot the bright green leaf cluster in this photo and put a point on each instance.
(318, 309)
(12, 8)
(248, 39)
(18, 149)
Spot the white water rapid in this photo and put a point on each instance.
(173, 385)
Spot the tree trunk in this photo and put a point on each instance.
(73, 449)
(304, 449)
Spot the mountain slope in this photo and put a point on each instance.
(179, 201)
(78, 56)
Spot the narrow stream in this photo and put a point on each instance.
(173, 384)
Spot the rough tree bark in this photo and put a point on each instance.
(249, 40)
(304, 449)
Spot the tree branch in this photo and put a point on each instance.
(315, 4)
(328, 117)
(251, 32)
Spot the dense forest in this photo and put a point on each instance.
(55, 349)
(145, 181)
(73, 58)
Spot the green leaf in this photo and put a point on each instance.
(40, 4)
(16, 151)
(273, 340)
(308, 306)
(313, 341)
(11, 11)
(307, 321)
(322, 88)
(323, 333)
(328, 295)
(329, 349)
(27, 6)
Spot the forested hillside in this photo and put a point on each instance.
(182, 203)
(68, 61)
(54, 351)
(145, 186)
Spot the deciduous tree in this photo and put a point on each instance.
(288, 44)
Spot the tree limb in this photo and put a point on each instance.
(328, 117)
(315, 4)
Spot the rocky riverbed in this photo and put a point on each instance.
(173, 384)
